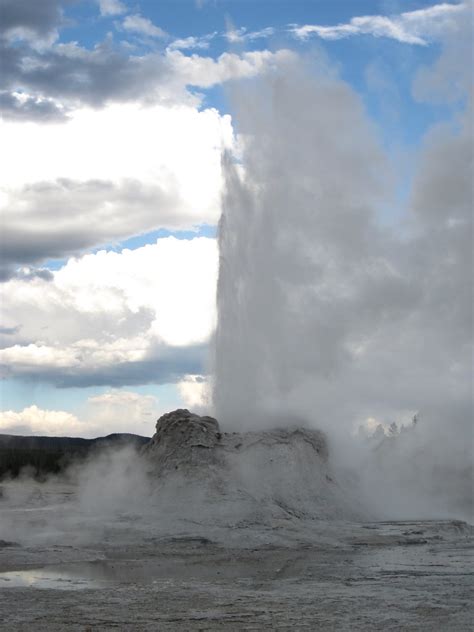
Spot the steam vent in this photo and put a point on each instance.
(244, 478)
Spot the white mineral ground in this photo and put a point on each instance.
(205, 530)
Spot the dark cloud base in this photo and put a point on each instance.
(79, 214)
(166, 365)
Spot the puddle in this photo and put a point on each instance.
(95, 575)
(74, 577)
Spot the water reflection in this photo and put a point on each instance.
(74, 577)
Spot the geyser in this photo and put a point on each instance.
(338, 308)
(299, 251)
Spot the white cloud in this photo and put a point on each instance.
(195, 392)
(111, 7)
(113, 411)
(192, 42)
(126, 410)
(412, 27)
(449, 79)
(110, 310)
(73, 75)
(138, 24)
(131, 170)
(241, 35)
(40, 357)
(34, 420)
(157, 144)
(175, 279)
(205, 72)
(28, 35)
(110, 173)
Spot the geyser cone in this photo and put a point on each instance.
(244, 478)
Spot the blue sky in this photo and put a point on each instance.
(115, 116)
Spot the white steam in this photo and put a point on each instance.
(326, 314)
(84, 504)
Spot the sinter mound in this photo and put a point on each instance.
(244, 478)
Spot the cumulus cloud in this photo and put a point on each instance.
(20, 107)
(449, 79)
(73, 75)
(145, 169)
(29, 274)
(193, 42)
(205, 72)
(195, 392)
(113, 411)
(59, 76)
(147, 166)
(124, 410)
(34, 420)
(36, 22)
(111, 7)
(411, 27)
(138, 24)
(123, 363)
(132, 317)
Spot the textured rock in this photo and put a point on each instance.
(183, 439)
(243, 478)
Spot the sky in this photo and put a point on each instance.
(115, 118)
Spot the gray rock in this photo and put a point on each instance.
(254, 477)
(183, 439)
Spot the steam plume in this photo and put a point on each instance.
(325, 313)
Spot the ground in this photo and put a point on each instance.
(67, 570)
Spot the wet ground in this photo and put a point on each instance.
(70, 571)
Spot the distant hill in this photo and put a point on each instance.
(51, 455)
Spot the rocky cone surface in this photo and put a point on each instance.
(249, 477)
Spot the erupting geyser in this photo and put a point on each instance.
(330, 314)
(299, 248)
